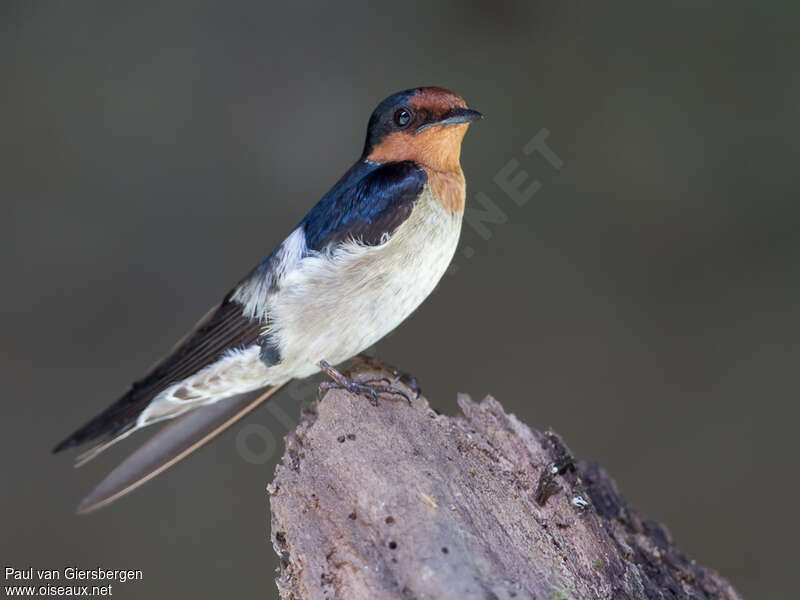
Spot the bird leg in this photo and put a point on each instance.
(405, 378)
(365, 386)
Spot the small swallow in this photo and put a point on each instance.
(360, 262)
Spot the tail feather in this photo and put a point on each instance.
(174, 442)
(104, 443)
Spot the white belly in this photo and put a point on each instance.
(330, 307)
(334, 306)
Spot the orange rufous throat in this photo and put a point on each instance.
(437, 148)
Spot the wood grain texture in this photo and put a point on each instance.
(401, 502)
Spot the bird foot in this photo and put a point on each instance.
(405, 378)
(366, 387)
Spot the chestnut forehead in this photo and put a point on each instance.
(439, 100)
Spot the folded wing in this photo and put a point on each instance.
(222, 329)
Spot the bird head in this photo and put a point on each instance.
(425, 125)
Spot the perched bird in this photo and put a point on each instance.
(360, 262)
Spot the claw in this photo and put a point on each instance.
(409, 380)
(357, 387)
(405, 378)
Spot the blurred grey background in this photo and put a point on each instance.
(643, 302)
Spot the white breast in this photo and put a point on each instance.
(326, 306)
(333, 306)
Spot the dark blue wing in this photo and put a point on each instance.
(369, 202)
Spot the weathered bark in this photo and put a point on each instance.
(400, 502)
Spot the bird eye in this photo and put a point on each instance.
(402, 117)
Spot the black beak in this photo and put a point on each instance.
(454, 116)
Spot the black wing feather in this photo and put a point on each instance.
(221, 330)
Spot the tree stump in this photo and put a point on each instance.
(398, 501)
